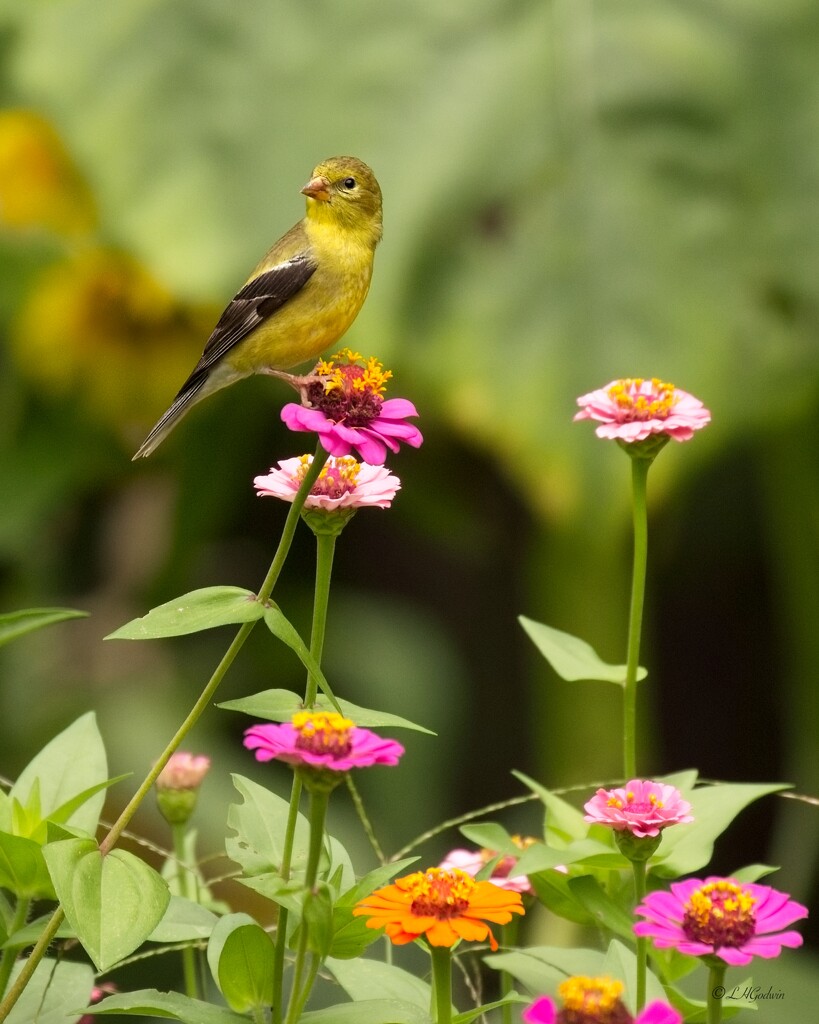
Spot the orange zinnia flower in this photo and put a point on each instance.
(443, 906)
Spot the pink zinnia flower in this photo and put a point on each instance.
(642, 808)
(98, 993)
(321, 739)
(632, 409)
(472, 861)
(721, 917)
(348, 411)
(595, 1001)
(342, 483)
(183, 771)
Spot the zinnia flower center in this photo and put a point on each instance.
(337, 478)
(635, 404)
(350, 390)
(323, 732)
(592, 1001)
(439, 893)
(720, 914)
(654, 803)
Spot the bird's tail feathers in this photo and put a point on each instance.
(160, 430)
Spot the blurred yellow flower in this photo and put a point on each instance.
(99, 326)
(40, 187)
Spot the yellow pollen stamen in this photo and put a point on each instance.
(438, 892)
(587, 994)
(323, 731)
(657, 404)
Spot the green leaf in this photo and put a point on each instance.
(14, 624)
(564, 823)
(70, 765)
(23, 868)
(240, 957)
(281, 627)
(259, 823)
(571, 657)
(621, 963)
(29, 935)
(373, 880)
(479, 1011)
(113, 903)
(167, 1005)
(603, 909)
(687, 848)
(360, 978)
(281, 705)
(367, 1011)
(542, 968)
(753, 872)
(490, 836)
(56, 993)
(182, 921)
(200, 609)
(552, 890)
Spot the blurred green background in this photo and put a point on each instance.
(574, 191)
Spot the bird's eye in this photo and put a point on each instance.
(349, 183)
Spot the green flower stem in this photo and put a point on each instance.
(122, 822)
(639, 869)
(183, 879)
(325, 550)
(441, 984)
(639, 474)
(509, 937)
(716, 990)
(281, 921)
(9, 955)
(319, 798)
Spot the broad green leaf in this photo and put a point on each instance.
(753, 872)
(280, 626)
(351, 936)
(183, 920)
(368, 1011)
(166, 1005)
(14, 624)
(552, 890)
(571, 657)
(695, 1011)
(602, 908)
(542, 968)
(373, 880)
(688, 848)
(288, 894)
(23, 869)
(480, 1011)
(29, 935)
(489, 836)
(621, 963)
(56, 993)
(564, 823)
(360, 978)
(113, 903)
(240, 957)
(281, 705)
(318, 918)
(71, 764)
(259, 823)
(200, 609)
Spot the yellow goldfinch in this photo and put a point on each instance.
(303, 295)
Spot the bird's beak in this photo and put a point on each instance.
(317, 188)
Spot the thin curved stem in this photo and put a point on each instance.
(183, 878)
(639, 869)
(639, 475)
(18, 921)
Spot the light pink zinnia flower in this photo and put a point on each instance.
(595, 1001)
(183, 771)
(721, 917)
(642, 808)
(632, 409)
(347, 409)
(321, 739)
(342, 483)
(472, 861)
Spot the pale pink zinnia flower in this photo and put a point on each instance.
(721, 917)
(472, 861)
(321, 739)
(183, 771)
(595, 1001)
(642, 808)
(342, 483)
(347, 410)
(632, 409)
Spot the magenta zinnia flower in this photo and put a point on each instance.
(348, 411)
(342, 483)
(721, 917)
(642, 808)
(472, 861)
(595, 1001)
(632, 409)
(321, 739)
